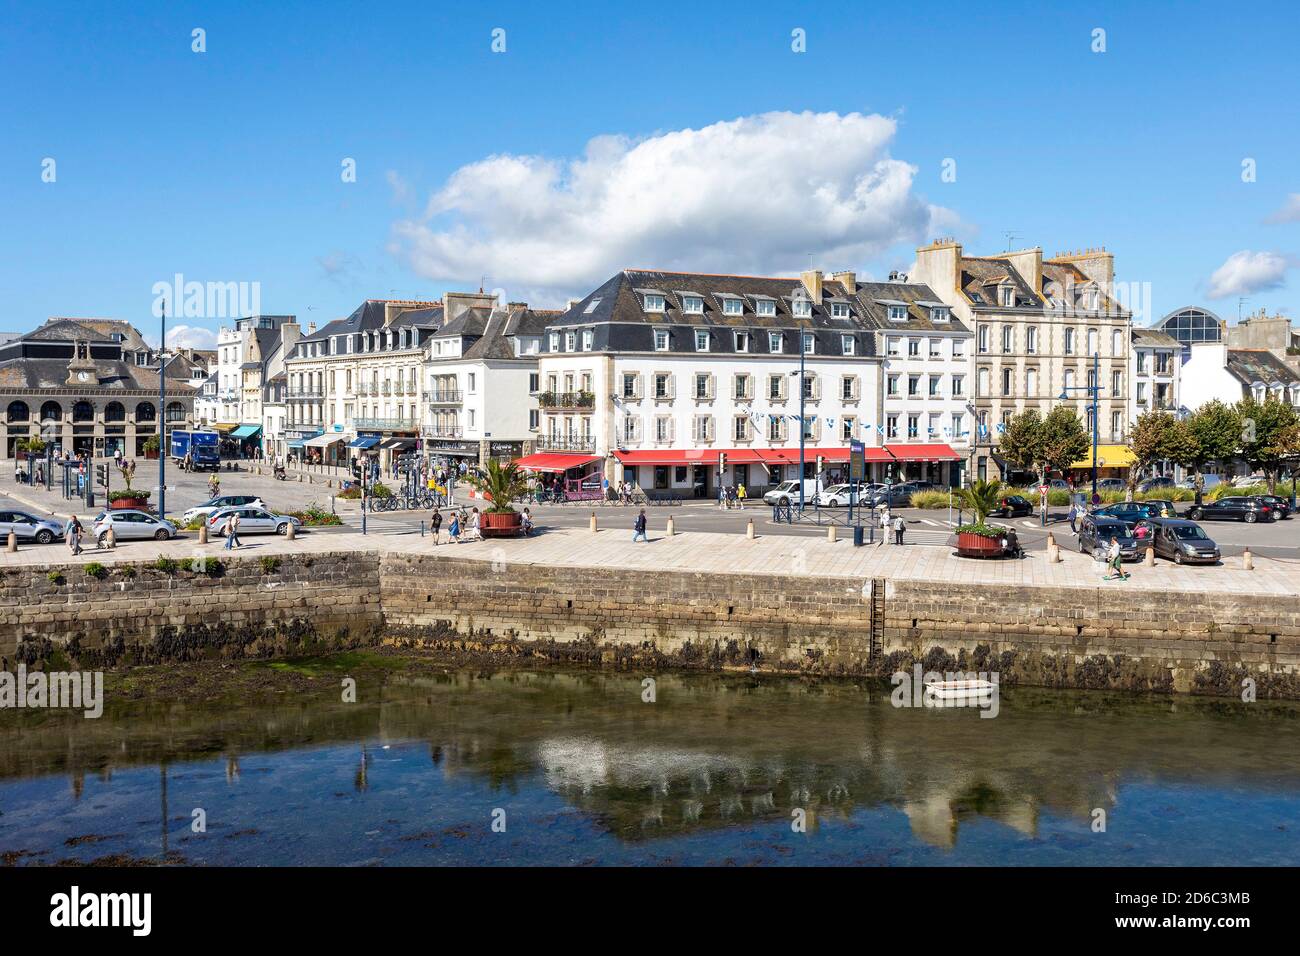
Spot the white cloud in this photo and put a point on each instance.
(1289, 210)
(772, 193)
(191, 337)
(1246, 272)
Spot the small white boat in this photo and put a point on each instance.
(955, 693)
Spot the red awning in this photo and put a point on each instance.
(783, 456)
(550, 461)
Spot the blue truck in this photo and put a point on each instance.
(201, 447)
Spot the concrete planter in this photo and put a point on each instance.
(507, 524)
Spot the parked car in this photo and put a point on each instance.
(1128, 510)
(252, 521)
(1112, 484)
(206, 509)
(1211, 482)
(128, 524)
(29, 527)
(1159, 508)
(787, 492)
(1280, 505)
(1058, 484)
(897, 496)
(1097, 530)
(1013, 506)
(1248, 508)
(838, 496)
(1241, 481)
(1181, 541)
(1154, 482)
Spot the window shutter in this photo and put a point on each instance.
(713, 385)
(672, 386)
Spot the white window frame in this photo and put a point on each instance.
(654, 302)
(661, 340)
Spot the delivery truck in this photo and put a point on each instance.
(200, 447)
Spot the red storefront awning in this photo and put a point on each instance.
(550, 461)
(783, 456)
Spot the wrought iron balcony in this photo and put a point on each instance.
(443, 397)
(385, 424)
(567, 443)
(444, 431)
(566, 399)
(298, 394)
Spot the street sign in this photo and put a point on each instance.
(857, 461)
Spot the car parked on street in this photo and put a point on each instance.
(1248, 508)
(1112, 484)
(1211, 482)
(787, 492)
(129, 524)
(252, 521)
(1012, 506)
(1096, 531)
(897, 496)
(1128, 510)
(1281, 505)
(1154, 482)
(206, 509)
(1160, 508)
(1181, 541)
(28, 527)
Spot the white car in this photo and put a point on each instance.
(28, 527)
(252, 521)
(839, 496)
(206, 509)
(128, 524)
(1211, 481)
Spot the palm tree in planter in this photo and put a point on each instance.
(501, 485)
(979, 539)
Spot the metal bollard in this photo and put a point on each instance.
(1150, 559)
(203, 532)
(591, 526)
(749, 530)
(671, 530)
(1247, 561)
(12, 546)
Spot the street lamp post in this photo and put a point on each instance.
(1094, 392)
(162, 417)
(802, 421)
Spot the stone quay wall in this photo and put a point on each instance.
(1197, 642)
(140, 613)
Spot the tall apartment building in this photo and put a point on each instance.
(680, 381)
(1044, 328)
(1155, 373)
(249, 354)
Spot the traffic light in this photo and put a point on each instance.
(101, 475)
(722, 461)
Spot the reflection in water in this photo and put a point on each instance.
(713, 772)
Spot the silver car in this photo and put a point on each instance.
(28, 527)
(130, 524)
(220, 503)
(252, 521)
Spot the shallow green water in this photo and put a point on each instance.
(717, 770)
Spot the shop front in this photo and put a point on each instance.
(245, 441)
(443, 453)
(324, 449)
(580, 476)
(1113, 461)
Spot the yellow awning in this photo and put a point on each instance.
(224, 427)
(1108, 456)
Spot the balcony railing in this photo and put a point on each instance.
(566, 399)
(444, 431)
(567, 443)
(443, 397)
(299, 394)
(385, 424)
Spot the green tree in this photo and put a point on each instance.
(1065, 441)
(1149, 441)
(501, 483)
(1268, 435)
(1021, 441)
(981, 497)
(1215, 431)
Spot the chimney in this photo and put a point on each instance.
(311, 328)
(1029, 263)
(1097, 264)
(847, 279)
(812, 281)
(938, 265)
(512, 306)
(458, 303)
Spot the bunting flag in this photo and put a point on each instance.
(1002, 429)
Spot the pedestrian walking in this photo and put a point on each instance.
(453, 530)
(638, 529)
(527, 522)
(72, 534)
(899, 526)
(740, 495)
(475, 528)
(435, 526)
(1116, 559)
(722, 497)
(1074, 517)
(232, 531)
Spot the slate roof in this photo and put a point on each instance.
(616, 314)
(980, 278)
(1066, 276)
(502, 325)
(369, 316)
(65, 330)
(113, 375)
(1154, 338)
(1260, 365)
(916, 296)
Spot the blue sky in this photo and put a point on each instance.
(225, 165)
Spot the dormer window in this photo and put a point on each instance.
(1008, 296)
(654, 302)
(765, 307)
(693, 305)
(774, 343)
(1093, 299)
(554, 344)
(809, 343)
(839, 310)
(848, 344)
(661, 340)
(732, 306)
(701, 340)
(938, 313)
(570, 342)
(588, 337)
(897, 313)
(801, 308)
(741, 341)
